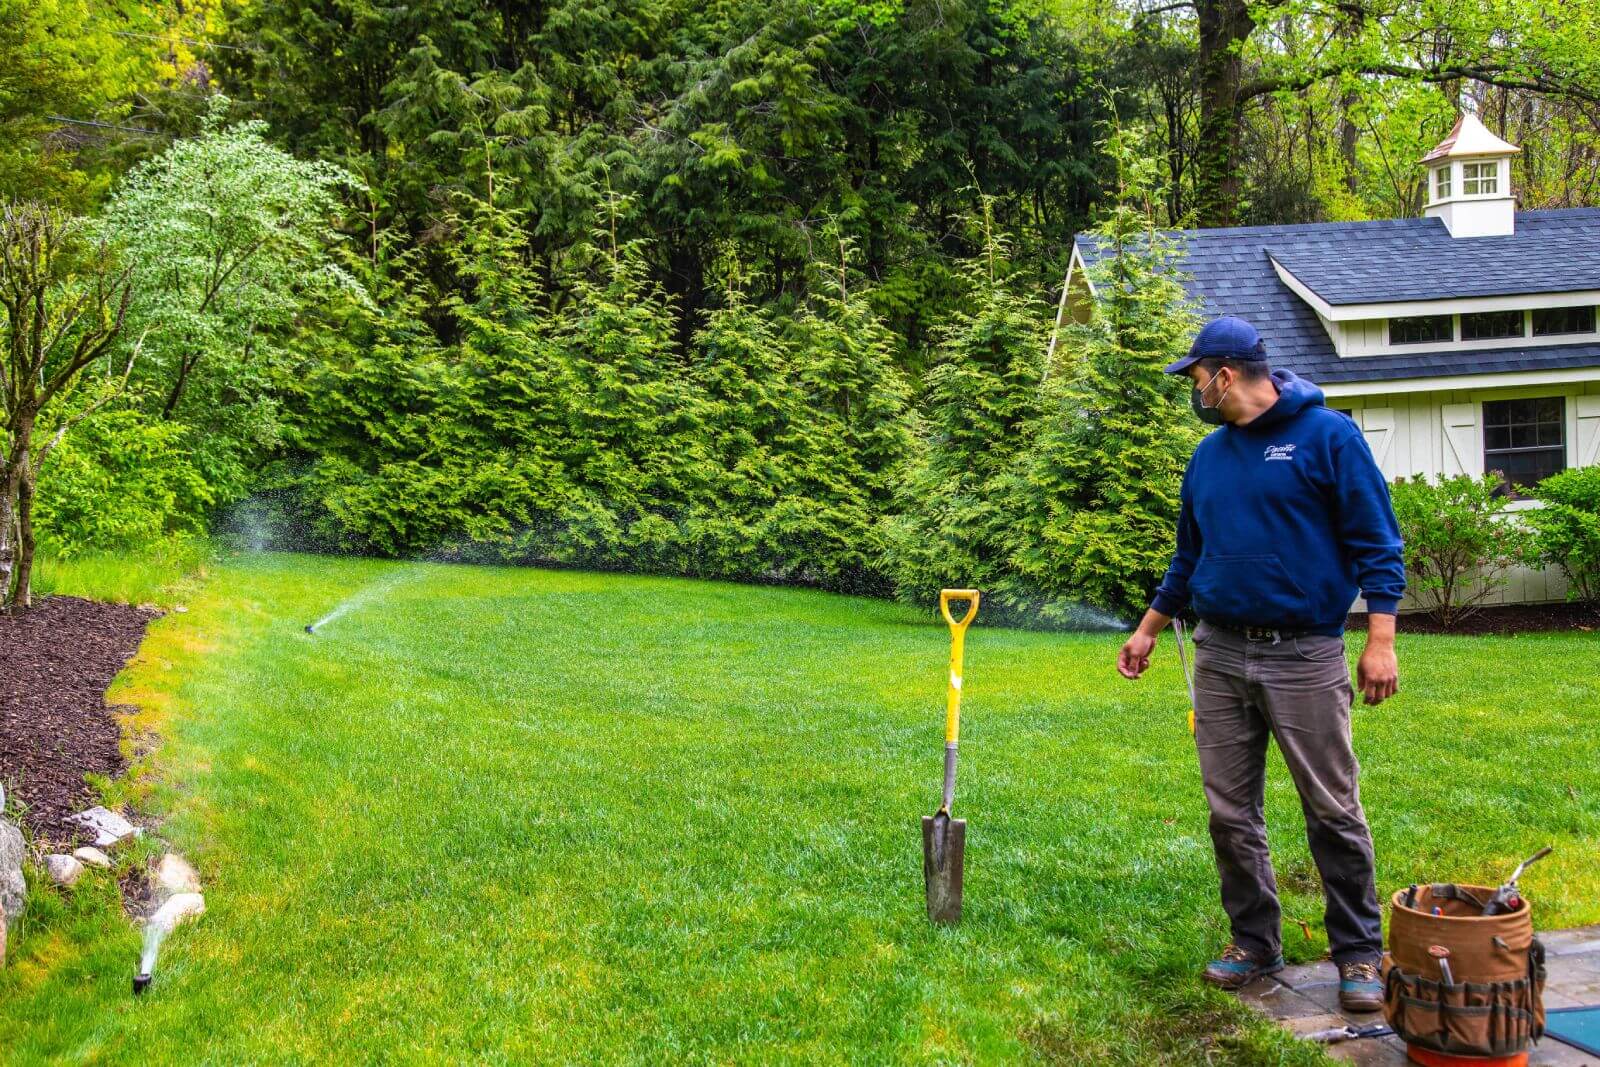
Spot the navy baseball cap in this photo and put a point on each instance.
(1224, 338)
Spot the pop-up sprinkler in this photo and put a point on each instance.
(176, 909)
(311, 628)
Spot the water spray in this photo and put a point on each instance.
(154, 932)
(176, 909)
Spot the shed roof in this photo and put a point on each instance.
(1231, 273)
(1417, 259)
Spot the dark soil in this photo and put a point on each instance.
(56, 660)
(1501, 619)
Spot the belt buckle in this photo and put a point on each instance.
(1260, 633)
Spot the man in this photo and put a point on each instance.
(1285, 517)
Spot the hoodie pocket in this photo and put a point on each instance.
(1255, 590)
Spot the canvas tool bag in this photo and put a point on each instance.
(1495, 1004)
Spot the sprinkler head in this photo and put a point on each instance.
(311, 628)
(141, 982)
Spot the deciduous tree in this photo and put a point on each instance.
(63, 303)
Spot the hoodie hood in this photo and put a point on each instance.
(1295, 394)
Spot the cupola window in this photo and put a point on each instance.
(1441, 182)
(1480, 179)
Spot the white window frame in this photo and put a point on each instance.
(1441, 182)
(1483, 172)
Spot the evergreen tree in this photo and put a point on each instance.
(1097, 493)
(981, 399)
(860, 398)
(632, 440)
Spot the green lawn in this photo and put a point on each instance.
(525, 816)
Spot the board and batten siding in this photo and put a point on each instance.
(1440, 435)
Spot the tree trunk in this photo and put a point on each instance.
(13, 568)
(7, 544)
(22, 593)
(1225, 25)
(1351, 29)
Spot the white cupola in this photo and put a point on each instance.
(1469, 181)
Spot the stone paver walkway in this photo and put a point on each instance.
(1305, 999)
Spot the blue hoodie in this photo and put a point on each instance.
(1283, 521)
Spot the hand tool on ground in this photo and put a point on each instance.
(1183, 662)
(1508, 897)
(1347, 1033)
(1441, 955)
(944, 840)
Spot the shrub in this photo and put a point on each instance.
(120, 481)
(1459, 542)
(1567, 529)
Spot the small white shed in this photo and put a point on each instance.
(1464, 341)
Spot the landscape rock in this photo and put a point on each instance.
(64, 871)
(13, 888)
(107, 827)
(177, 909)
(173, 875)
(92, 857)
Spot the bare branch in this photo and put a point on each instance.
(42, 454)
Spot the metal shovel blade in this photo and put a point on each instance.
(944, 848)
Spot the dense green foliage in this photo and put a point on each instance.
(1459, 542)
(122, 481)
(1567, 529)
(750, 291)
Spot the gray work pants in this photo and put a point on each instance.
(1298, 692)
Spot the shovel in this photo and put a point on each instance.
(944, 840)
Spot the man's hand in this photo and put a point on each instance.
(1134, 659)
(1378, 672)
(1135, 655)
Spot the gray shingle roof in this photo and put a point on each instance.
(1417, 259)
(1393, 259)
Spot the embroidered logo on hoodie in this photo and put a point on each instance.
(1280, 452)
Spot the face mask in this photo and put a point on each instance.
(1211, 414)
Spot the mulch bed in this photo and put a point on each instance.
(56, 660)
(1500, 619)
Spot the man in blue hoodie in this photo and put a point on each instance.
(1285, 517)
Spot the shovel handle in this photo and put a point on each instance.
(958, 633)
(969, 595)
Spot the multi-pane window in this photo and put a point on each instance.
(1421, 330)
(1491, 325)
(1480, 178)
(1550, 322)
(1441, 182)
(1524, 441)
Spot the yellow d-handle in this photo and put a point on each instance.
(958, 634)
